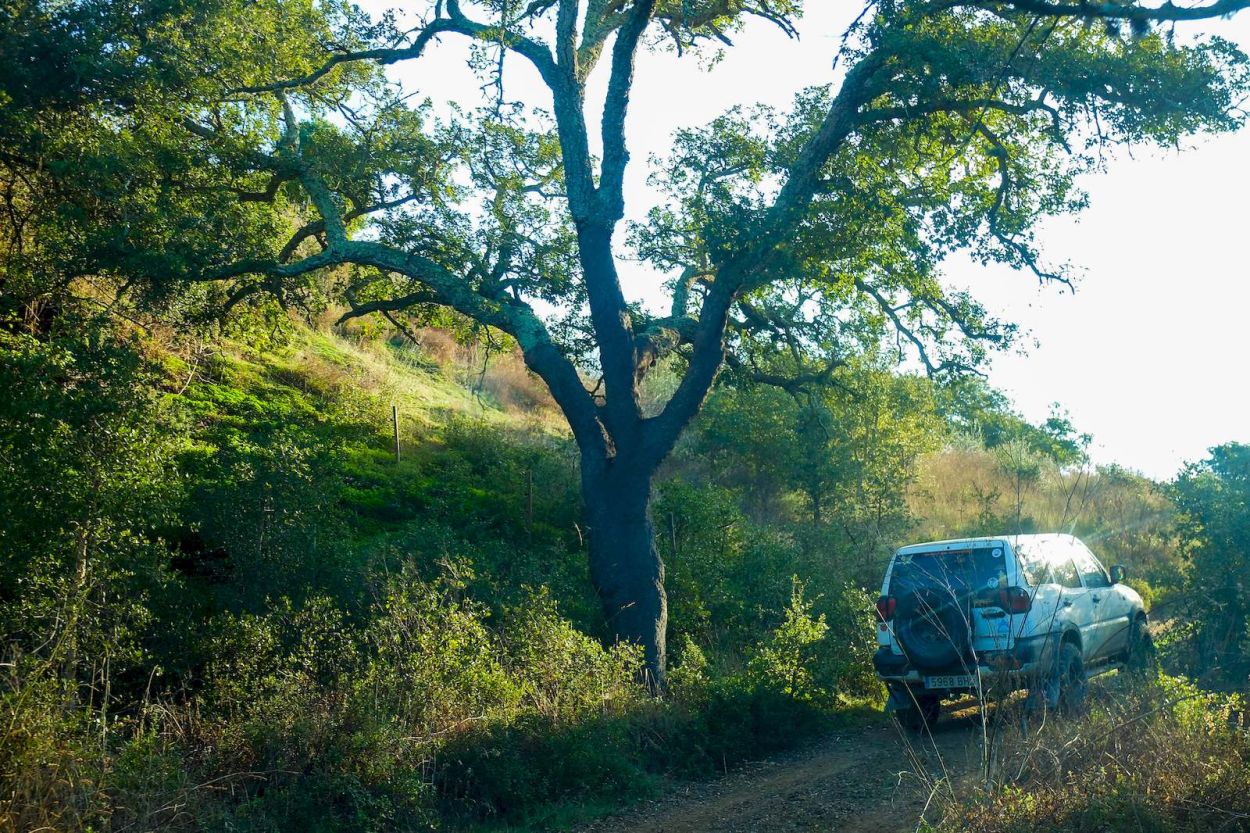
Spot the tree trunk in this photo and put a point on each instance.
(625, 565)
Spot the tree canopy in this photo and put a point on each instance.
(251, 146)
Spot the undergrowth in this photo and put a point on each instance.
(226, 605)
(1153, 756)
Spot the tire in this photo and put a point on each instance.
(1073, 682)
(1140, 657)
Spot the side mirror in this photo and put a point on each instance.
(1118, 574)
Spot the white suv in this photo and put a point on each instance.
(1003, 613)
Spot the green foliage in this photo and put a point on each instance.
(104, 177)
(974, 408)
(1213, 517)
(225, 605)
(837, 464)
(783, 661)
(1160, 756)
(893, 200)
(345, 642)
(565, 675)
(1143, 589)
(688, 678)
(848, 450)
(86, 454)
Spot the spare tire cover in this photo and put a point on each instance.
(932, 626)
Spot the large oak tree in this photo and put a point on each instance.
(258, 148)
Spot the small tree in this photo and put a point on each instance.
(261, 146)
(783, 661)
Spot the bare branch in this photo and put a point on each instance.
(1003, 160)
(875, 115)
(791, 383)
(271, 190)
(532, 50)
(387, 305)
(319, 226)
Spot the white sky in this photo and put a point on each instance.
(1148, 355)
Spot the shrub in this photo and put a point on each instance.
(518, 770)
(51, 776)
(565, 675)
(1213, 503)
(434, 663)
(1144, 590)
(687, 675)
(1153, 756)
(571, 732)
(783, 661)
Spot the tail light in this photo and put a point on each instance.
(1015, 599)
(885, 608)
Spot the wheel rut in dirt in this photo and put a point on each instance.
(860, 781)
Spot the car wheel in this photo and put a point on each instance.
(1140, 656)
(1072, 680)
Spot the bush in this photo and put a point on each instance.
(1213, 503)
(228, 607)
(1154, 756)
(521, 770)
(48, 767)
(1144, 590)
(783, 662)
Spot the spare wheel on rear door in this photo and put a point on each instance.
(932, 626)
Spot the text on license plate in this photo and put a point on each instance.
(951, 681)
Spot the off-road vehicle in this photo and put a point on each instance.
(1036, 612)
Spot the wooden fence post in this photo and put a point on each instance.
(395, 428)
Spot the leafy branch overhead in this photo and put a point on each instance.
(804, 236)
(793, 216)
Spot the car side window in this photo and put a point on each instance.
(1064, 569)
(1091, 570)
(1035, 561)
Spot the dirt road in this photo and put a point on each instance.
(857, 781)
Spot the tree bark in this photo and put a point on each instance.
(625, 565)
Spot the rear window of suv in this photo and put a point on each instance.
(972, 568)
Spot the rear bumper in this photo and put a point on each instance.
(1016, 664)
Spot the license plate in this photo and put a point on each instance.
(951, 681)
